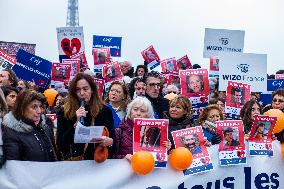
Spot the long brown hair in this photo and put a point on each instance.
(3, 104)
(72, 102)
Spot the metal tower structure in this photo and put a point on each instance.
(72, 13)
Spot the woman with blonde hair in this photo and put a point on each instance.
(179, 115)
(3, 111)
(207, 119)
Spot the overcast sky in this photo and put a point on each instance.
(174, 27)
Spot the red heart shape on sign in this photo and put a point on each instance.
(70, 49)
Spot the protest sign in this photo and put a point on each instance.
(101, 57)
(112, 72)
(113, 43)
(83, 61)
(194, 82)
(70, 41)
(221, 40)
(275, 84)
(33, 68)
(151, 57)
(193, 140)
(12, 48)
(169, 65)
(61, 72)
(243, 68)
(6, 61)
(184, 63)
(149, 135)
(260, 139)
(237, 95)
(214, 66)
(100, 84)
(75, 66)
(232, 149)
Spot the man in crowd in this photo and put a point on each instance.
(8, 78)
(127, 69)
(191, 143)
(153, 93)
(228, 137)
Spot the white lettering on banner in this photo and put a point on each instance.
(183, 133)
(105, 46)
(107, 39)
(258, 173)
(151, 123)
(277, 84)
(32, 70)
(36, 61)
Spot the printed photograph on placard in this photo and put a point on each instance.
(194, 82)
(111, 72)
(61, 72)
(148, 135)
(100, 84)
(169, 65)
(101, 55)
(237, 95)
(184, 63)
(260, 140)
(75, 65)
(198, 104)
(193, 140)
(6, 61)
(214, 63)
(83, 61)
(232, 147)
(151, 57)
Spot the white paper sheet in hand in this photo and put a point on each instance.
(91, 134)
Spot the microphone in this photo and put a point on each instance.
(82, 104)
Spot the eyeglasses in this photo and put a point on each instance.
(152, 85)
(277, 100)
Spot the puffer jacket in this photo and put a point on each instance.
(23, 140)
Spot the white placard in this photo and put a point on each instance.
(221, 40)
(91, 134)
(243, 68)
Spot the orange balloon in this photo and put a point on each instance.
(279, 126)
(50, 94)
(180, 158)
(282, 149)
(142, 162)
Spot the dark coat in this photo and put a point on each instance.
(160, 105)
(175, 125)
(23, 140)
(124, 139)
(66, 130)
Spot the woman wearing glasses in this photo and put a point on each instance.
(117, 100)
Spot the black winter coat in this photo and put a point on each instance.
(160, 105)
(23, 140)
(66, 131)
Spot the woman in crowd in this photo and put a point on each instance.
(207, 119)
(83, 104)
(140, 107)
(249, 110)
(3, 111)
(179, 116)
(140, 71)
(26, 135)
(220, 102)
(58, 102)
(277, 101)
(10, 94)
(23, 85)
(118, 99)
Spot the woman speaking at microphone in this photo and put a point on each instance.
(83, 104)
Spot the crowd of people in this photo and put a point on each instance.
(28, 134)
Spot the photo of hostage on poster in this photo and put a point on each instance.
(194, 82)
(149, 135)
(193, 139)
(169, 65)
(184, 63)
(151, 57)
(61, 72)
(112, 72)
(260, 139)
(237, 95)
(232, 147)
